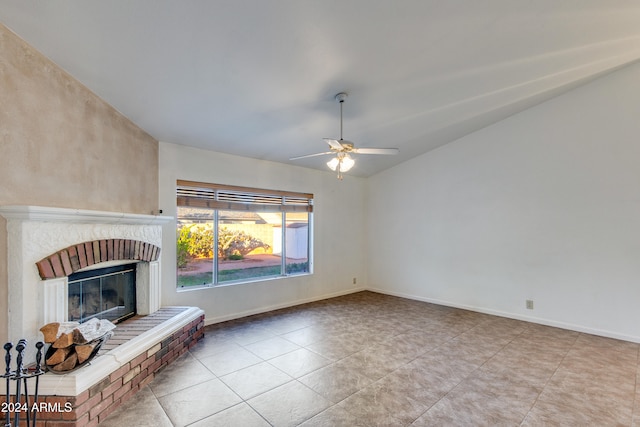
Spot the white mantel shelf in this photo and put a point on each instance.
(82, 216)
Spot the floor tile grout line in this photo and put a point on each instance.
(164, 411)
(186, 387)
(242, 400)
(374, 381)
(462, 380)
(544, 386)
(452, 389)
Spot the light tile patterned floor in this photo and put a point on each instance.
(368, 359)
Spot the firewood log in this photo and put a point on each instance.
(68, 364)
(78, 338)
(58, 356)
(84, 351)
(50, 332)
(64, 340)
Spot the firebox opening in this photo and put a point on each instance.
(105, 293)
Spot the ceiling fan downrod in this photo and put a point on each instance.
(340, 98)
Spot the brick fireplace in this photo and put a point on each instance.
(45, 247)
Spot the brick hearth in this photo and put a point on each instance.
(139, 349)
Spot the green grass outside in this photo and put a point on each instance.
(201, 279)
(204, 279)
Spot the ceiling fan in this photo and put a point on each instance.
(342, 148)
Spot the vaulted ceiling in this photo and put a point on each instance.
(257, 78)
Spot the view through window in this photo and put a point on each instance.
(229, 234)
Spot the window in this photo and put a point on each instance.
(228, 234)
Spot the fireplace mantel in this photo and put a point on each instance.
(35, 232)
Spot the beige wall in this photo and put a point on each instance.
(62, 146)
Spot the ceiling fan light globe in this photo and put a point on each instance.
(346, 164)
(333, 163)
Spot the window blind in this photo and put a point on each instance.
(228, 197)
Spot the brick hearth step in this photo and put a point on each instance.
(139, 348)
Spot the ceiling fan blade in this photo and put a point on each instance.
(334, 143)
(388, 151)
(311, 155)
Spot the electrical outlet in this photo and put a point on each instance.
(529, 304)
(354, 280)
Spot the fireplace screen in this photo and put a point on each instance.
(107, 293)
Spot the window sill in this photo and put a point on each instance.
(239, 282)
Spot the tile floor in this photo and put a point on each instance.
(368, 359)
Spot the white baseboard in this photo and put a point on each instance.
(516, 316)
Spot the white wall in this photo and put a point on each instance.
(544, 205)
(338, 222)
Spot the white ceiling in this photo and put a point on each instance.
(257, 78)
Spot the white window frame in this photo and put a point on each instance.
(220, 197)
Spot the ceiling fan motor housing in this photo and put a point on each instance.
(341, 96)
(346, 145)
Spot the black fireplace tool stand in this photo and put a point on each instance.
(21, 404)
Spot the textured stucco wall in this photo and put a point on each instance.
(62, 146)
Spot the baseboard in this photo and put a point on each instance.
(214, 320)
(516, 316)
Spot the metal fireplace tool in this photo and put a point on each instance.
(21, 375)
